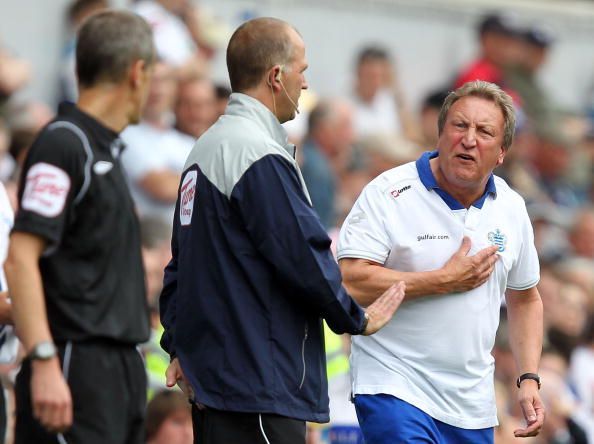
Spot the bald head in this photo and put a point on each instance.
(255, 47)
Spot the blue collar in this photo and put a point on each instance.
(428, 179)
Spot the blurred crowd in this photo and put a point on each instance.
(344, 142)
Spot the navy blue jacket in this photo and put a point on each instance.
(251, 274)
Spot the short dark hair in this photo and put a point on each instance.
(372, 53)
(108, 43)
(256, 46)
(79, 7)
(435, 99)
(320, 114)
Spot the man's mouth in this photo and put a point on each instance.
(467, 157)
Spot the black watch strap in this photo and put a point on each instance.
(532, 376)
(365, 322)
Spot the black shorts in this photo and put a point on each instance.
(108, 387)
(218, 427)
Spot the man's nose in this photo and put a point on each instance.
(469, 139)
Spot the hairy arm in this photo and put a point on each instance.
(52, 403)
(366, 280)
(525, 318)
(161, 185)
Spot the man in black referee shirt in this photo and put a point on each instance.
(74, 269)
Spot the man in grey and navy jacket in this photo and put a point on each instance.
(251, 274)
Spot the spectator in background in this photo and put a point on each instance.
(581, 375)
(78, 12)
(567, 318)
(156, 252)
(429, 113)
(156, 152)
(8, 341)
(581, 233)
(327, 152)
(521, 76)
(379, 102)
(195, 107)
(384, 152)
(169, 419)
(500, 46)
(222, 93)
(14, 74)
(176, 30)
(74, 266)
(551, 168)
(563, 411)
(7, 163)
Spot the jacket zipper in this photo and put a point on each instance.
(303, 355)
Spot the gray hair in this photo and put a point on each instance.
(109, 43)
(488, 91)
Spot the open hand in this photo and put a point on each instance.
(384, 307)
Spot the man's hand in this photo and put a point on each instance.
(532, 409)
(384, 307)
(465, 272)
(175, 375)
(50, 396)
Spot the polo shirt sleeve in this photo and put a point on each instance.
(525, 271)
(364, 234)
(288, 233)
(51, 180)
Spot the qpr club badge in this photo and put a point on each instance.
(498, 239)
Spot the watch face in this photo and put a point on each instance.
(44, 350)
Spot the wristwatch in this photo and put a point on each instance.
(43, 351)
(532, 376)
(365, 322)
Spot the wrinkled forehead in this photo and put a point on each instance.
(478, 109)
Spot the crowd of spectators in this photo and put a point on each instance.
(343, 143)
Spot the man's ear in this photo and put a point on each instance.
(137, 73)
(501, 156)
(273, 77)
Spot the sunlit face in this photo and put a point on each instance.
(471, 143)
(372, 75)
(176, 429)
(293, 79)
(195, 110)
(163, 89)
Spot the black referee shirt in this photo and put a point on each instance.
(73, 194)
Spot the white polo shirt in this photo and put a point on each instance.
(436, 352)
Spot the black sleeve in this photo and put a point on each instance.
(52, 177)
(289, 234)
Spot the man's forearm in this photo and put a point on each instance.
(365, 283)
(525, 321)
(26, 292)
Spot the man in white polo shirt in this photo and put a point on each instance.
(461, 240)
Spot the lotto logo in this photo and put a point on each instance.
(186, 198)
(46, 189)
(395, 193)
